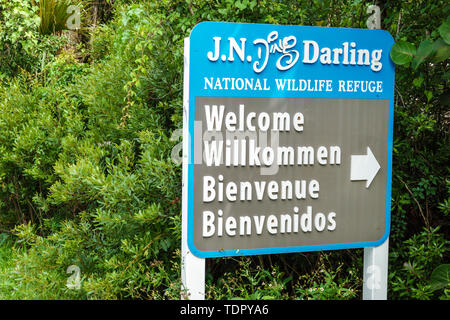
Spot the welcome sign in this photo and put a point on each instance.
(290, 138)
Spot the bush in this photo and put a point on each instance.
(413, 266)
(23, 47)
(86, 177)
(87, 161)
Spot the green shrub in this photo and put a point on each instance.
(86, 177)
(101, 193)
(413, 265)
(22, 47)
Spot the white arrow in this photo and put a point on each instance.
(364, 167)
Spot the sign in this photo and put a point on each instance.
(289, 139)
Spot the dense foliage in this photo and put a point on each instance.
(86, 176)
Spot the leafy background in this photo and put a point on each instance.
(86, 177)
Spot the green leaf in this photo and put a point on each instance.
(429, 95)
(424, 50)
(238, 4)
(441, 49)
(417, 82)
(446, 76)
(444, 31)
(440, 277)
(402, 52)
(223, 11)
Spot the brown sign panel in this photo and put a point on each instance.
(277, 172)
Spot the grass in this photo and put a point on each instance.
(22, 279)
(54, 15)
(6, 267)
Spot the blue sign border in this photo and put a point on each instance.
(372, 39)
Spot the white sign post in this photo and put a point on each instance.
(376, 272)
(376, 259)
(192, 267)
